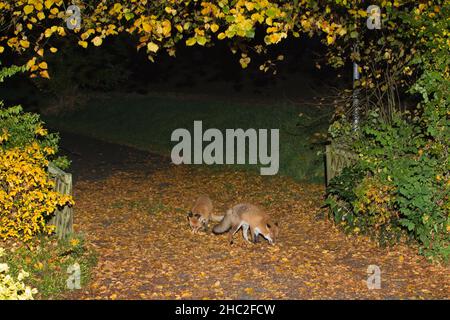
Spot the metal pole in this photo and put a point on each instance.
(355, 104)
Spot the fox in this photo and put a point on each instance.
(201, 213)
(248, 216)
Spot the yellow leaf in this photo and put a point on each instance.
(152, 47)
(2, 49)
(221, 36)
(41, 15)
(48, 3)
(171, 11)
(362, 13)
(84, 44)
(53, 50)
(191, 41)
(48, 32)
(330, 39)
(39, 265)
(97, 41)
(43, 65)
(167, 27)
(249, 5)
(25, 43)
(147, 27)
(244, 61)
(214, 27)
(249, 290)
(31, 62)
(28, 9)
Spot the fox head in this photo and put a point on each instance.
(273, 230)
(194, 221)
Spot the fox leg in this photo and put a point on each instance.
(233, 230)
(205, 225)
(255, 235)
(245, 231)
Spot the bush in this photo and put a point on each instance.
(10, 288)
(404, 162)
(399, 187)
(20, 129)
(48, 260)
(27, 198)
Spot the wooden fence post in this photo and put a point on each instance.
(337, 158)
(63, 217)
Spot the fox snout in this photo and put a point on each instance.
(273, 232)
(270, 240)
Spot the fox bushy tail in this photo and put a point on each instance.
(216, 218)
(225, 224)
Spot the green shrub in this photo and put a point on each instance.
(27, 198)
(23, 128)
(399, 187)
(47, 262)
(10, 287)
(404, 158)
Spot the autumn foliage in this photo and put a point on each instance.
(27, 199)
(34, 26)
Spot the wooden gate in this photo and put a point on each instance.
(63, 218)
(337, 158)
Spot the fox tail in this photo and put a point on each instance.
(225, 224)
(216, 218)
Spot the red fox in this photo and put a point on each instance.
(201, 213)
(248, 216)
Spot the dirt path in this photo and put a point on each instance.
(132, 208)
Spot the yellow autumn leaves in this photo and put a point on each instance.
(40, 68)
(156, 26)
(27, 197)
(161, 25)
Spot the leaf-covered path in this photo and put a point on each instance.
(132, 208)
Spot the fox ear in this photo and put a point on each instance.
(269, 225)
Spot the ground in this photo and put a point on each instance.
(132, 205)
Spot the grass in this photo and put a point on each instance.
(147, 121)
(47, 261)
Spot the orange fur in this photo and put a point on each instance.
(248, 216)
(201, 214)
